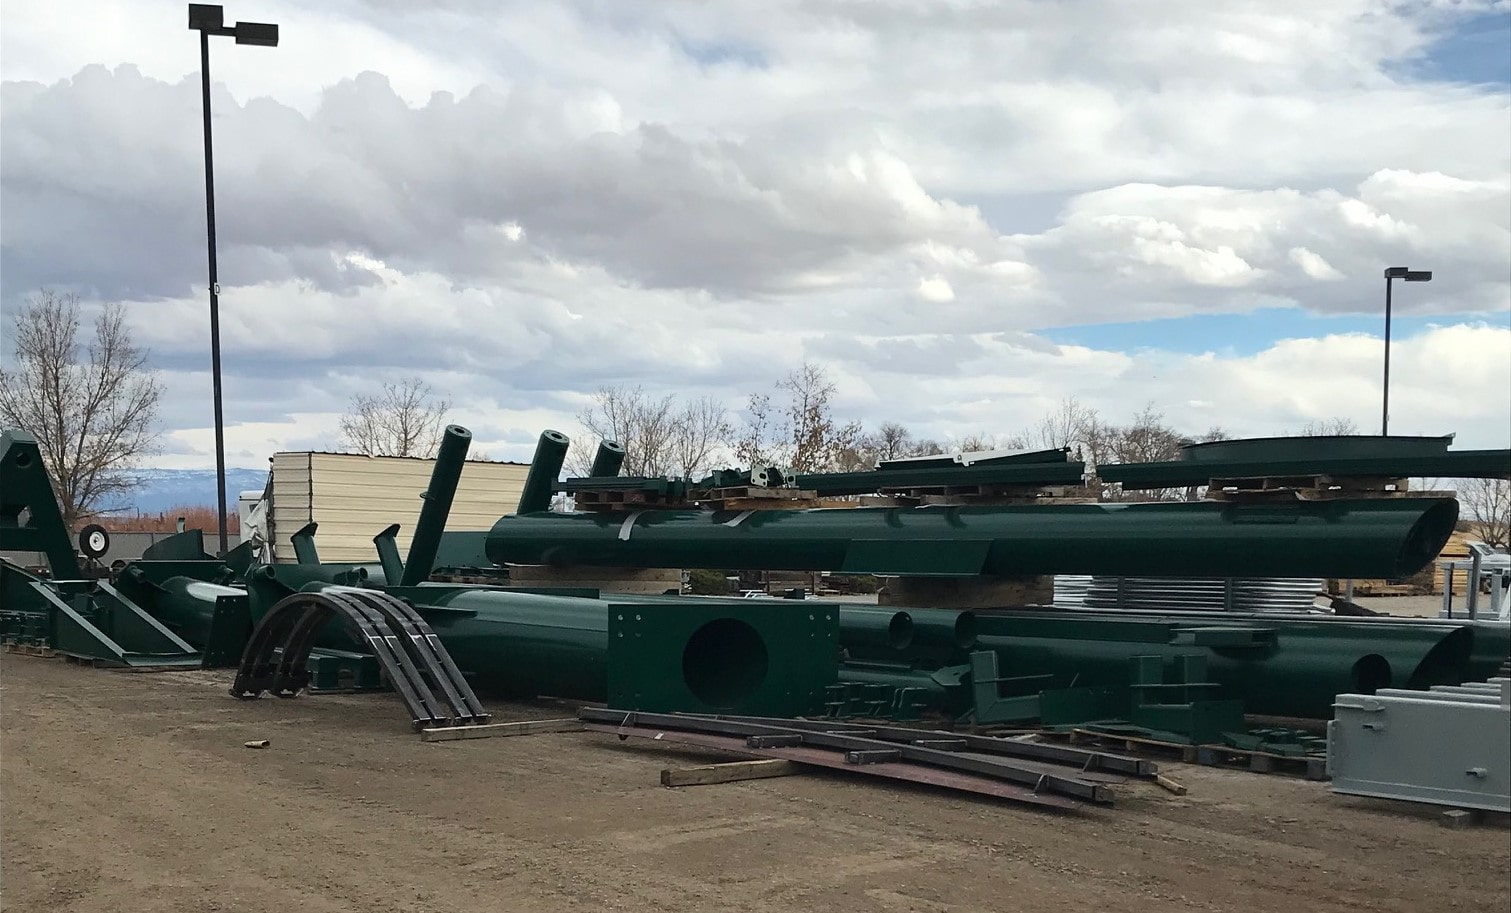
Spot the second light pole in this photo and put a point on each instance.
(209, 19)
(1393, 273)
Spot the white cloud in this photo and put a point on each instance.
(524, 202)
(936, 289)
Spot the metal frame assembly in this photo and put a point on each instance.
(968, 539)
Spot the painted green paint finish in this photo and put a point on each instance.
(1382, 538)
(766, 662)
(30, 520)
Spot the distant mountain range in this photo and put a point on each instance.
(164, 489)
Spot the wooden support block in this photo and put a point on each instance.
(1169, 785)
(732, 772)
(493, 730)
(1457, 818)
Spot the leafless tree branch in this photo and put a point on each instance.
(93, 412)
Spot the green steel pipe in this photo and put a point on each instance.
(540, 484)
(450, 459)
(948, 628)
(1381, 538)
(186, 606)
(1295, 668)
(608, 460)
(868, 626)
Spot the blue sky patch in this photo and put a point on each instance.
(1242, 334)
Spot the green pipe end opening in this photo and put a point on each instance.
(1427, 537)
(724, 663)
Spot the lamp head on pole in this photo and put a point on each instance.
(1410, 275)
(206, 17)
(266, 35)
(211, 19)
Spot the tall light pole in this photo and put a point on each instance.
(1393, 273)
(209, 19)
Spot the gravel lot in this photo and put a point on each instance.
(133, 792)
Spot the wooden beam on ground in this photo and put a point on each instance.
(729, 773)
(1169, 785)
(494, 730)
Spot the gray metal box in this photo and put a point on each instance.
(1448, 746)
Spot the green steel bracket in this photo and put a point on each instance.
(188, 545)
(772, 661)
(230, 629)
(129, 636)
(303, 541)
(990, 705)
(241, 559)
(26, 489)
(387, 545)
(133, 628)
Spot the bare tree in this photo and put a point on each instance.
(890, 442)
(1488, 504)
(760, 441)
(1066, 426)
(404, 420)
(981, 440)
(817, 441)
(1329, 427)
(658, 437)
(93, 411)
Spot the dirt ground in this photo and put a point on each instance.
(133, 792)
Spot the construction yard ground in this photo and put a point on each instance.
(134, 792)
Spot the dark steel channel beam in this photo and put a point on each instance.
(870, 480)
(1039, 780)
(1086, 760)
(1466, 464)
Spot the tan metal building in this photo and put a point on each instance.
(354, 497)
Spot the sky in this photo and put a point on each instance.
(965, 211)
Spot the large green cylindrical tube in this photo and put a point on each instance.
(1380, 538)
(449, 462)
(526, 644)
(1294, 669)
(947, 628)
(540, 484)
(187, 607)
(608, 460)
(868, 626)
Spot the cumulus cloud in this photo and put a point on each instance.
(522, 204)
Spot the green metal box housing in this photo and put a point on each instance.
(756, 660)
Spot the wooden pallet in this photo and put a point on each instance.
(29, 649)
(620, 500)
(751, 497)
(1310, 766)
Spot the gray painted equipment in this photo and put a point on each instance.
(1450, 745)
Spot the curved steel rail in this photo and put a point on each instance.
(415, 663)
